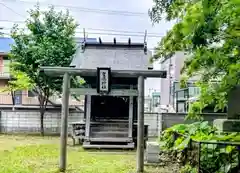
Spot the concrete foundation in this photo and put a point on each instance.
(227, 125)
(152, 152)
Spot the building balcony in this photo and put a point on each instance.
(4, 75)
(6, 99)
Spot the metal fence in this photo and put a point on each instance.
(218, 157)
(212, 157)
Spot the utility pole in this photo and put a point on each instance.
(170, 80)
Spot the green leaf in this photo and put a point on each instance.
(48, 40)
(208, 32)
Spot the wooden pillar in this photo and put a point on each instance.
(88, 117)
(140, 132)
(130, 120)
(64, 122)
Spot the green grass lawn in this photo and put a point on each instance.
(25, 154)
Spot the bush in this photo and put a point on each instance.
(181, 143)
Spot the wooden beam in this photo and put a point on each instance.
(56, 71)
(88, 117)
(114, 92)
(140, 131)
(130, 118)
(64, 123)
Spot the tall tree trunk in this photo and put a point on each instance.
(13, 99)
(42, 112)
(43, 100)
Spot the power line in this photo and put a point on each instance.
(92, 10)
(5, 20)
(105, 34)
(85, 28)
(11, 10)
(137, 34)
(123, 31)
(117, 33)
(155, 34)
(121, 34)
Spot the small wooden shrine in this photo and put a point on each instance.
(114, 96)
(110, 120)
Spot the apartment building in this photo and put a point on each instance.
(171, 94)
(23, 98)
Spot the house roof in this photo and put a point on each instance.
(5, 44)
(80, 40)
(118, 56)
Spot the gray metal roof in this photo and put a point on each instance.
(118, 56)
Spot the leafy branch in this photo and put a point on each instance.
(47, 41)
(208, 32)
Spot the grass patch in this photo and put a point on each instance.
(26, 154)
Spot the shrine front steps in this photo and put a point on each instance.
(88, 145)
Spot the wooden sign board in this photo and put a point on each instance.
(103, 80)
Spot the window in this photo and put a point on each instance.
(156, 101)
(181, 107)
(31, 94)
(6, 64)
(180, 95)
(194, 91)
(176, 86)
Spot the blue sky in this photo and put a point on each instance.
(100, 20)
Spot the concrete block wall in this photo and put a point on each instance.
(170, 119)
(29, 121)
(153, 120)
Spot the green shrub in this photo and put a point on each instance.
(188, 169)
(181, 143)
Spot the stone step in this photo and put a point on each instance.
(107, 129)
(111, 124)
(110, 139)
(107, 134)
(104, 146)
(97, 120)
(110, 132)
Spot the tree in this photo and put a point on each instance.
(47, 41)
(208, 31)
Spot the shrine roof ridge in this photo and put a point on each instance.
(116, 45)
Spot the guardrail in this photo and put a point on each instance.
(212, 156)
(4, 75)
